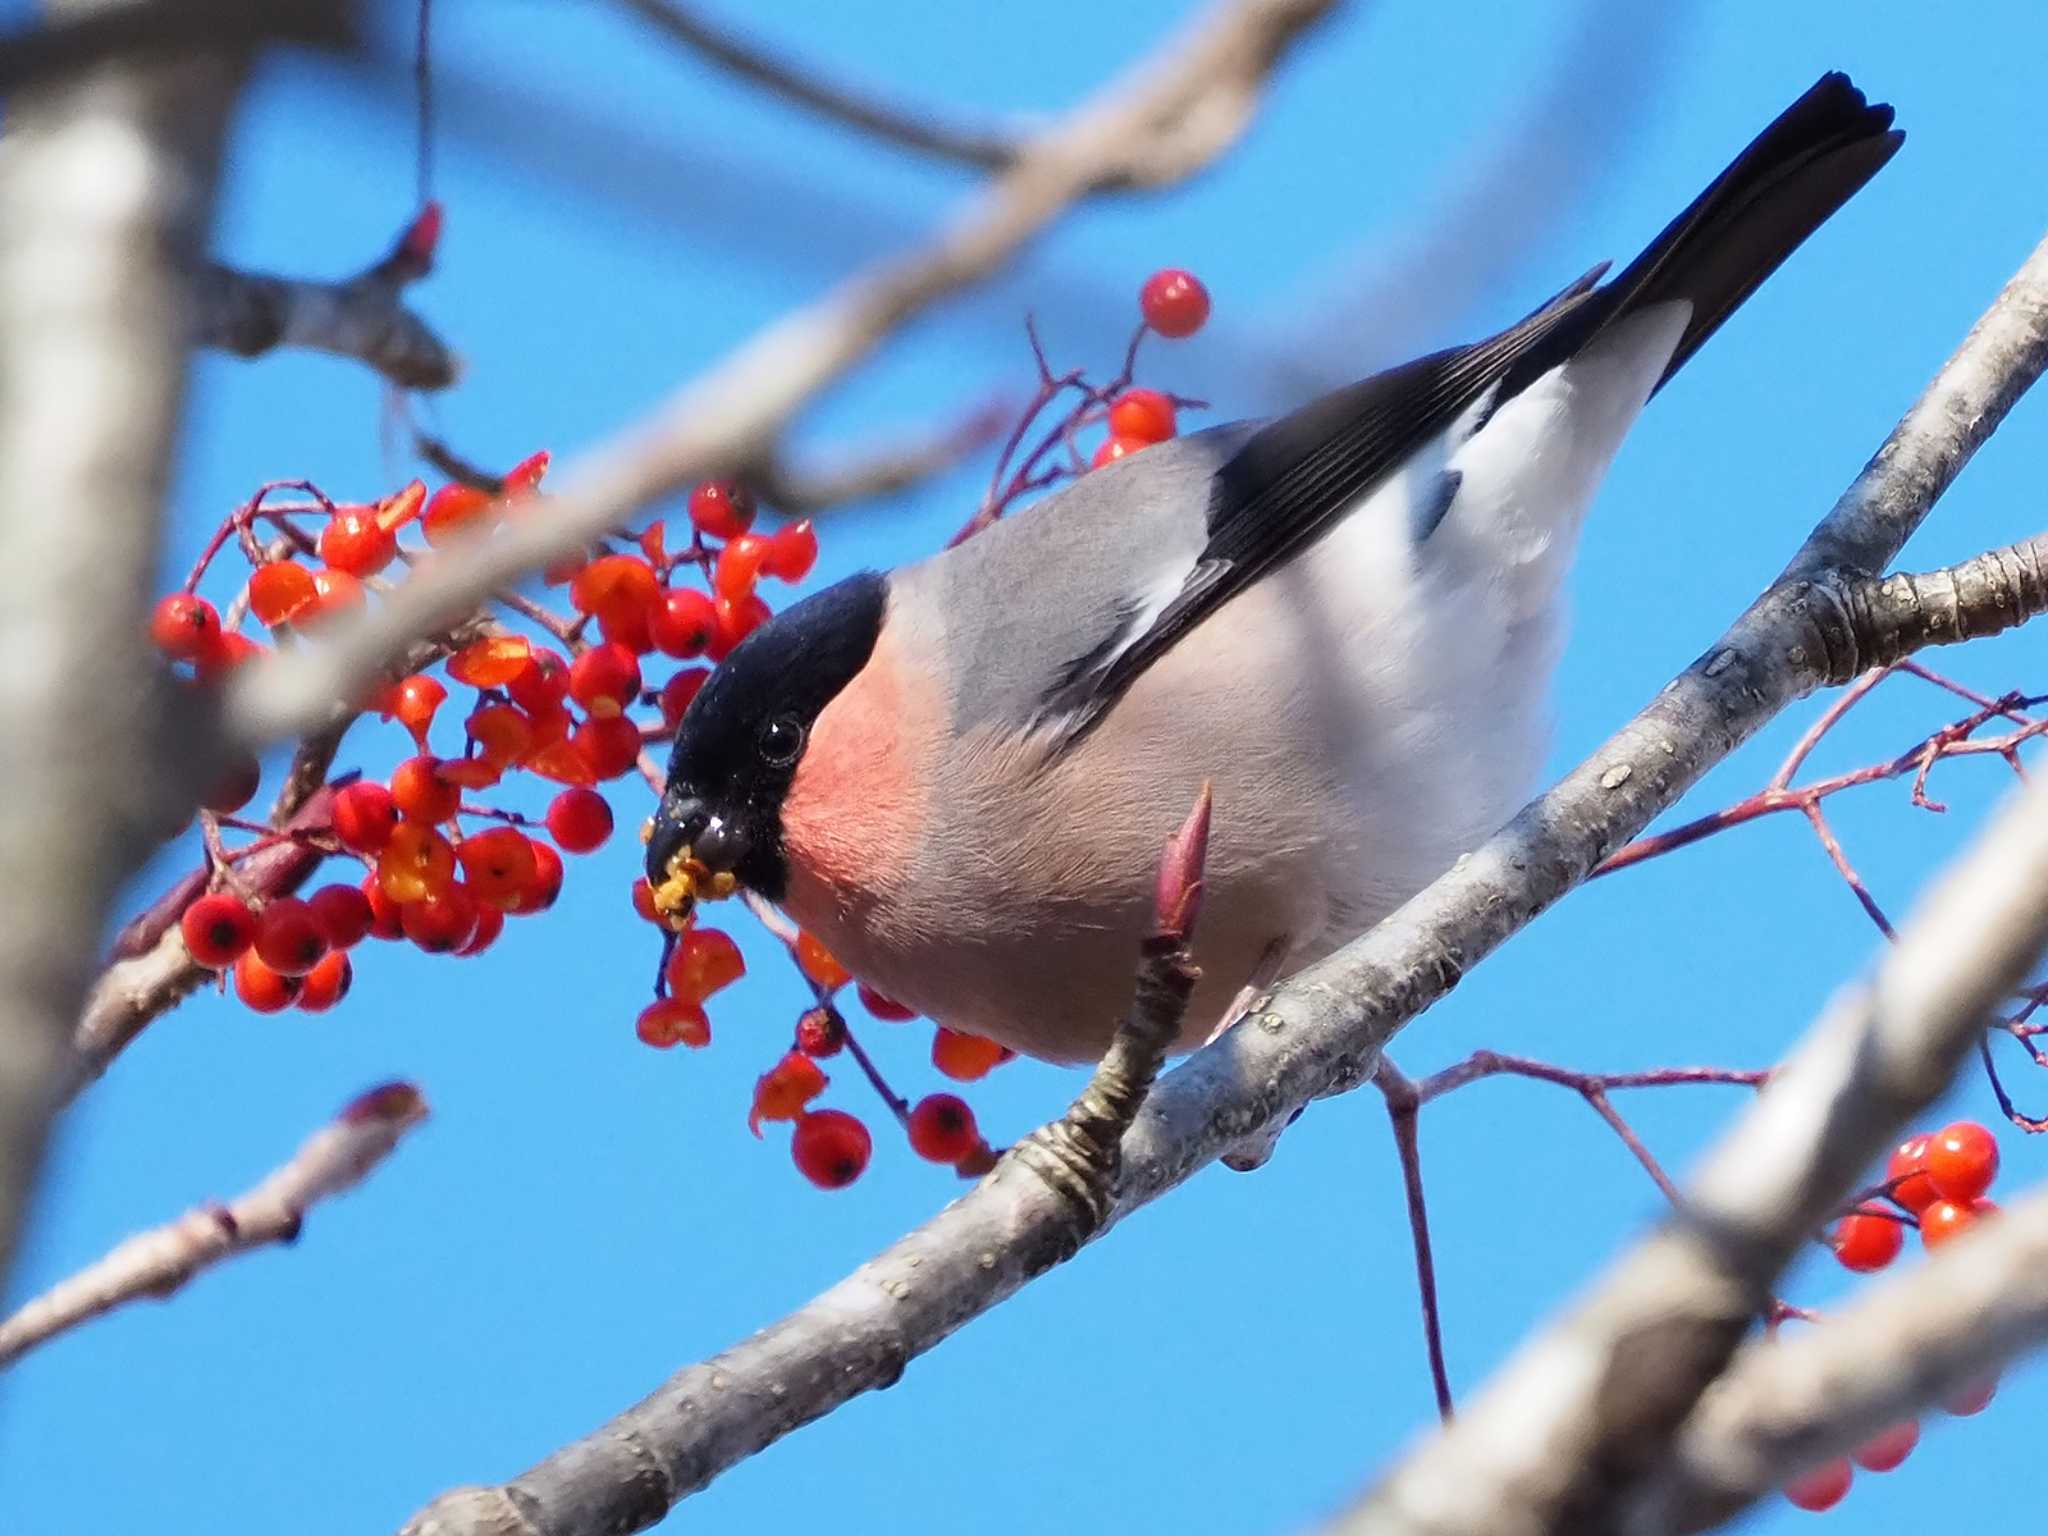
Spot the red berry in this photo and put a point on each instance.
(579, 820)
(403, 505)
(502, 731)
(607, 749)
(261, 988)
(455, 509)
(1864, 1241)
(289, 938)
(344, 914)
(671, 1021)
(614, 586)
(356, 541)
(1822, 1488)
(1962, 1160)
(490, 922)
(233, 650)
(784, 1089)
(628, 627)
(643, 902)
(414, 703)
(1143, 415)
(364, 816)
(421, 793)
(818, 964)
(416, 864)
(1907, 1173)
(499, 865)
(736, 621)
(184, 626)
(820, 1032)
(739, 566)
(791, 552)
(887, 1009)
(677, 693)
(1174, 302)
(333, 592)
(964, 1058)
(327, 983)
(722, 509)
(980, 1160)
(281, 591)
(542, 682)
(524, 478)
(605, 679)
(831, 1148)
(387, 918)
(1888, 1447)
(704, 961)
(1972, 1399)
(1115, 448)
(546, 885)
(1946, 1219)
(442, 924)
(218, 929)
(942, 1128)
(682, 622)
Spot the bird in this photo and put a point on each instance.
(959, 775)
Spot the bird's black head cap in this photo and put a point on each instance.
(740, 741)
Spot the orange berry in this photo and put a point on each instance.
(784, 1089)
(964, 1058)
(816, 962)
(281, 591)
(416, 865)
(671, 1021)
(499, 865)
(704, 961)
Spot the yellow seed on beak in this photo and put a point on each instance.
(689, 881)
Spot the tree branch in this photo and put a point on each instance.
(980, 149)
(1789, 1400)
(1167, 120)
(336, 1158)
(362, 317)
(1321, 1032)
(1593, 1402)
(106, 186)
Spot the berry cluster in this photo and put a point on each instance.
(570, 698)
(1938, 1183)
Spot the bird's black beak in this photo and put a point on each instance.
(692, 852)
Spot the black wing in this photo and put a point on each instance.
(1295, 478)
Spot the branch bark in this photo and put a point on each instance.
(363, 317)
(106, 186)
(333, 1160)
(976, 148)
(1795, 1398)
(1587, 1408)
(1166, 121)
(1322, 1031)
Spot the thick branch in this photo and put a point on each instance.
(362, 317)
(1791, 1399)
(106, 183)
(1594, 1401)
(334, 1159)
(1322, 1031)
(1166, 121)
(980, 149)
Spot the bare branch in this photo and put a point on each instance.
(362, 317)
(1320, 1033)
(981, 149)
(334, 1159)
(1593, 1402)
(1792, 1399)
(1170, 118)
(106, 183)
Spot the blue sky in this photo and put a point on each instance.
(583, 1215)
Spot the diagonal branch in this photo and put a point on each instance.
(1591, 1404)
(1790, 1400)
(333, 1160)
(1322, 1031)
(1171, 117)
(981, 149)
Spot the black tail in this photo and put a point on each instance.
(1789, 182)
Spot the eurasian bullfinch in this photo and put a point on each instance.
(960, 775)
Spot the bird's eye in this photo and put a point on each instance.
(782, 740)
